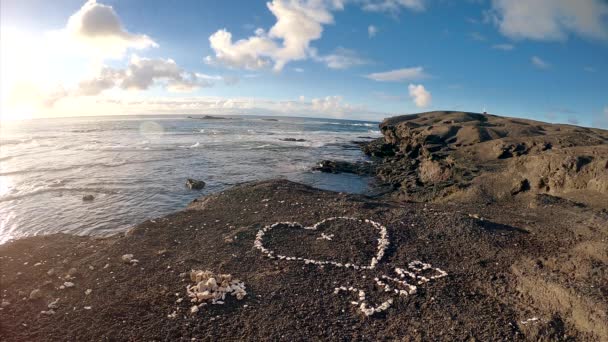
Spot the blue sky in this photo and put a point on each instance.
(363, 59)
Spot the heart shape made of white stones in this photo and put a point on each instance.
(404, 284)
(383, 243)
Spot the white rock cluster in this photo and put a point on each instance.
(418, 266)
(128, 259)
(383, 243)
(324, 236)
(213, 288)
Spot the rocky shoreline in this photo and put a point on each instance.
(496, 229)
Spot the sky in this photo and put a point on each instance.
(354, 59)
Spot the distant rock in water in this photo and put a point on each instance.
(270, 119)
(207, 117)
(194, 184)
(293, 139)
(88, 198)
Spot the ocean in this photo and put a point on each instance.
(136, 166)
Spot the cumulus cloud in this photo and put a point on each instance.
(333, 105)
(341, 58)
(372, 31)
(420, 96)
(405, 74)
(550, 19)
(96, 28)
(144, 73)
(298, 23)
(503, 47)
(540, 63)
(393, 6)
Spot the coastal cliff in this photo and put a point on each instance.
(497, 229)
(448, 156)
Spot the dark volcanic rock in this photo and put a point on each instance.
(88, 198)
(194, 184)
(293, 139)
(336, 166)
(207, 117)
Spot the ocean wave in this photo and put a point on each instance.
(44, 190)
(90, 165)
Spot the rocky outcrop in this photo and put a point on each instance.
(293, 139)
(437, 155)
(337, 166)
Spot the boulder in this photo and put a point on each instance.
(88, 198)
(194, 184)
(338, 166)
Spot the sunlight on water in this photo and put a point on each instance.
(135, 167)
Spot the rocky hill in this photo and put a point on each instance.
(447, 156)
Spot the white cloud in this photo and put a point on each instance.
(96, 29)
(504, 47)
(298, 24)
(341, 58)
(372, 31)
(393, 6)
(143, 73)
(422, 98)
(405, 74)
(550, 19)
(540, 63)
(298, 69)
(329, 106)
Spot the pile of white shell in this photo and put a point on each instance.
(213, 288)
(400, 287)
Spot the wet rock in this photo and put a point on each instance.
(337, 166)
(88, 198)
(293, 139)
(194, 184)
(378, 148)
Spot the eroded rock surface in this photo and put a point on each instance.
(458, 155)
